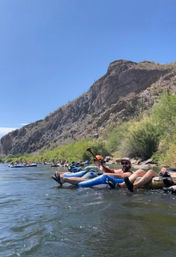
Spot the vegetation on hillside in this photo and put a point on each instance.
(151, 135)
(154, 135)
(75, 151)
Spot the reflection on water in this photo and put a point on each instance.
(39, 219)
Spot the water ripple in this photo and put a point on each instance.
(40, 219)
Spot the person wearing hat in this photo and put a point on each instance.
(107, 176)
(110, 177)
(125, 171)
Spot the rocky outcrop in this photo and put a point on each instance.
(125, 89)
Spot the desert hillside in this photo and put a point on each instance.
(125, 89)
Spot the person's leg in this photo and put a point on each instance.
(57, 175)
(103, 179)
(77, 180)
(134, 176)
(61, 173)
(76, 174)
(61, 179)
(144, 180)
(72, 180)
(113, 182)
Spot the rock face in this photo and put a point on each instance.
(125, 89)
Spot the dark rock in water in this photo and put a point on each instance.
(115, 97)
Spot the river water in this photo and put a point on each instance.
(39, 219)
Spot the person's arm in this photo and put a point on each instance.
(116, 175)
(124, 174)
(106, 169)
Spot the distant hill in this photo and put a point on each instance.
(119, 95)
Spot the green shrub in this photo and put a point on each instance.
(153, 135)
(98, 147)
(142, 140)
(116, 137)
(75, 151)
(164, 115)
(168, 157)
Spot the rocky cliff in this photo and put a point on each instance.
(125, 89)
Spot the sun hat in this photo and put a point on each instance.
(125, 159)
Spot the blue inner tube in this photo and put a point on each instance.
(76, 174)
(171, 170)
(100, 180)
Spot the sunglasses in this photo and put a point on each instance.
(124, 163)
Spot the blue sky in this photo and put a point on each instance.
(52, 51)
